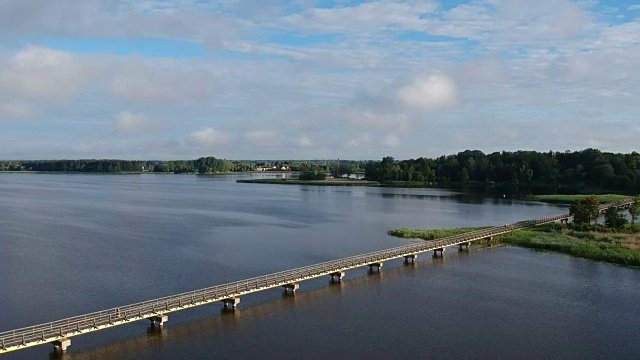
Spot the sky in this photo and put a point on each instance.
(316, 79)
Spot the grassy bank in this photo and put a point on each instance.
(429, 234)
(328, 182)
(568, 199)
(616, 247)
(613, 247)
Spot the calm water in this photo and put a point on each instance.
(71, 244)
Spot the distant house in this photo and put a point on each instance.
(272, 168)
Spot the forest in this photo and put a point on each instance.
(569, 172)
(586, 171)
(204, 165)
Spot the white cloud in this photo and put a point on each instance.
(503, 64)
(391, 141)
(430, 93)
(127, 122)
(633, 7)
(44, 73)
(366, 16)
(161, 81)
(181, 20)
(15, 110)
(303, 142)
(380, 119)
(363, 139)
(207, 137)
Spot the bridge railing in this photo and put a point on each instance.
(78, 324)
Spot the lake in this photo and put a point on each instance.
(71, 244)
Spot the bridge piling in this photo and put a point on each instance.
(440, 250)
(159, 320)
(410, 259)
(291, 288)
(464, 246)
(60, 346)
(336, 277)
(375, 267)
(231, 304)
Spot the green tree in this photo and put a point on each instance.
(585, 210)
(577, 210)
(614, 219)
(465, 175)
(592, 206)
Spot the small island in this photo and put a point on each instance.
(615, 241)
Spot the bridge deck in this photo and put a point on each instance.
(61, 329)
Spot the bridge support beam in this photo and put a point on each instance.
(291, 288)
(61, 345)
(375, 267)
(337, 276)
(159, 320)
(489, 241)
(464, 246)
(231, 303)
(436, 251)
(410, 259)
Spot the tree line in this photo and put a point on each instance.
(589, 170)
(204, 165)
(586, 210)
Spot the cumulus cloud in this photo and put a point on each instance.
(207, 137)
(44, 73)
(493, 63)
(430, 93)
(15, 110)
(127, 122)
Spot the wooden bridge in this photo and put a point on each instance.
(59, 332)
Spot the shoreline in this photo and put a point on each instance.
(617, 248)
(338, 182)
(568, 199)
(115, 173)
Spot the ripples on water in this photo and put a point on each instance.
(77, 243)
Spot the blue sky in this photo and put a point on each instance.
(245, 79)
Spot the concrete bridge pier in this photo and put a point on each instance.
(564, 221)
(375, 267)
(489, 240)
(231, 303)
(60, 346)
(435, 252)
(410, 259)
(337, 276)
(464, 246)
(291, 288)
(159, 320)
